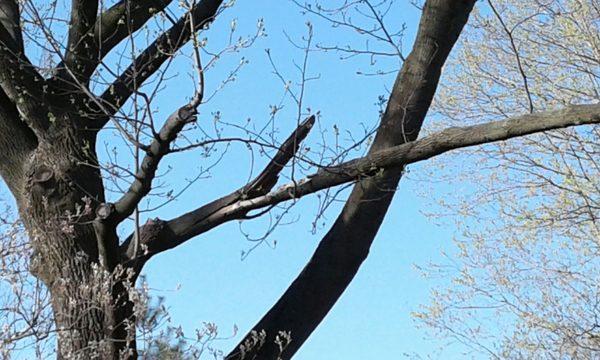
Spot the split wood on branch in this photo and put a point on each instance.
(238, 204)
(157, 235)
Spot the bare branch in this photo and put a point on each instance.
(159, 147)
(511, 38)
(423, 149)
(126, 16)
(150, 60)
(109, 215)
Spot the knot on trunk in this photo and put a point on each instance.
(42, 175)
(42, 180)
(187, 113)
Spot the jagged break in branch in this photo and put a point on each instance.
(157, 235)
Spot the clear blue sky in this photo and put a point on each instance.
(205, 280)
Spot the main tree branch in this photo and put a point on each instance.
(17, 141)
(16, 137)
(112, 26)
(159, 147)
(23, 85)
(238, 204)
(110, 215)
(80, 45)
(158, 236)
(10, 18)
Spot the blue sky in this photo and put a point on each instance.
(372, 319)
(205, 280)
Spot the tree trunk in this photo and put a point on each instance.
(61, 186)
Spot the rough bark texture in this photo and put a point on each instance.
(61, 184)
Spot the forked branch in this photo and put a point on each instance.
(157, 235)
(150, 60)
(159, 147)
(88, 45)
(110, 215)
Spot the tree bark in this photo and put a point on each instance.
(62, 185)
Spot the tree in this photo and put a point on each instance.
(51, 119)
(525, 283)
